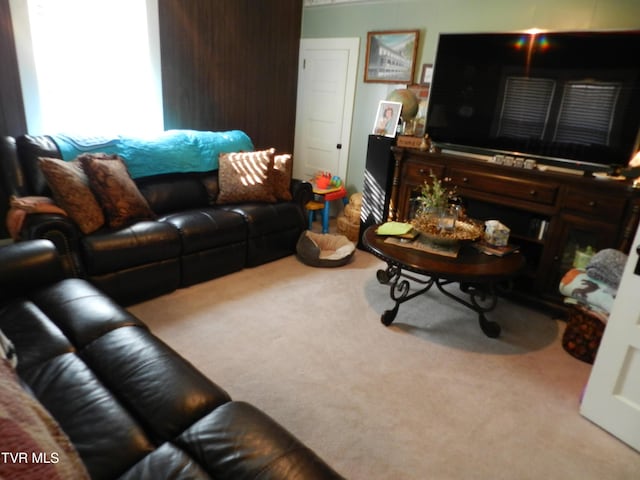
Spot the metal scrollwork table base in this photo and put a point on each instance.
(478, 275)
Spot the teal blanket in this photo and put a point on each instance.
(173, 151)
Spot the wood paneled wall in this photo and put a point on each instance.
(12, 117)
(231, 64)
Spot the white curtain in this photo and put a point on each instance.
(89, 67)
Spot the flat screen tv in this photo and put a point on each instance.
(569, 99)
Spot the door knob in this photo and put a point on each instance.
(339, 146)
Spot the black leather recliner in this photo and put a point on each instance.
(191, 241)
(132, 407)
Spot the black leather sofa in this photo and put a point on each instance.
(191, 240)
(132, 407)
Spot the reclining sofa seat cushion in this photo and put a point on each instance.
(133, 263)
(212, 241)
(273, 229)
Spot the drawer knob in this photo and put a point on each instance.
(465, 180)
(422, 171)
(593, 203)
(533, 193)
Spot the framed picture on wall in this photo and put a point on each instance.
(391, 56)
(387, 118)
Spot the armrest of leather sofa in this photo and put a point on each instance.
(28, 265)
(262, 447)
(302, 192)
(62, 232)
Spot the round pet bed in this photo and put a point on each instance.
(324, 250)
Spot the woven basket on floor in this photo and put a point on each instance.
(582, 336)
(348, 222)
(348, 228)
(352, 213)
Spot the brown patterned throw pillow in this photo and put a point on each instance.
(282, 170)
(110, 181)
(246, 177)
(70, 189)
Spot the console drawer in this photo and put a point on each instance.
(417, 172)
(603, 206)
(522, 189)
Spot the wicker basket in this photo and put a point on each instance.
(582, 336)
(352, 213)
(347, 228)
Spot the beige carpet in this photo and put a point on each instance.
(428, 398)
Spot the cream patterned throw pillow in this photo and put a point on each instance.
(282, 171)
(246, 177)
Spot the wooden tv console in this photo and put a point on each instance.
(550, 213)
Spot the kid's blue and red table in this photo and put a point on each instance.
(322, 200)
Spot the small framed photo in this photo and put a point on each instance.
(420, 121)
(391, 56)
(427, 74)
(387, 118)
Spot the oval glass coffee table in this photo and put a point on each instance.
(479, 276)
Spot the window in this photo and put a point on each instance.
(89, 66)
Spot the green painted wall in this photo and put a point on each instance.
(434, 16)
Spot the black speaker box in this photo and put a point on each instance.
(378, 178)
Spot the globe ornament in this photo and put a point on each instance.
(408, 100)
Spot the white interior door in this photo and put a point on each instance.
(612, 397)
(326, 88)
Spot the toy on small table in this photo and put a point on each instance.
(324, 180)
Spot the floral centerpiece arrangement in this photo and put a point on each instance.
(435, 196)
(439, 216)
